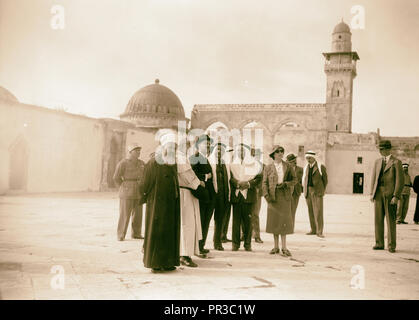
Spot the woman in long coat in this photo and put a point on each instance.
(278, 180)
(160, 188)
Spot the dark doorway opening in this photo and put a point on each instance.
(358, 184)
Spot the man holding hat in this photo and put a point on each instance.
(403, 205)
(221, 182)
(298, 187)
(314, 185)
(387, 183)
(127, 177)
(246, 174)
(202, 168)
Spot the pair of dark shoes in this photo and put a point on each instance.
(311, 233)
(285, 252)
(274, 251)
(218, 247)
(187, 261)
(258, 240)
(236, 248)
(402, 222)
(203, 251)
(140, 237)
(376, 247)
(225, 240)
(164, 269)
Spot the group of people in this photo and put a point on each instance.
(183, 191)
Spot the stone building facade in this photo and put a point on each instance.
(325, 128)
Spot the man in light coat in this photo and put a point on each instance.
(314, 185)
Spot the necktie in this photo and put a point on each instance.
(384, 162)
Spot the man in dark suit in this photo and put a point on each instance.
(387, 183)
(416, 190)
(298, 187)
(314, 184)
(221, 182)
(246, 174)
(202, 168)
(257, 154)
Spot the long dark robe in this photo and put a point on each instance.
(162, 234)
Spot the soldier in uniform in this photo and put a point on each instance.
(127, 177)
(403, 205)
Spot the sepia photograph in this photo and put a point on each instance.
(207, 151)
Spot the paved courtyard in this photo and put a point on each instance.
(63, 246)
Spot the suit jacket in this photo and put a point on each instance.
(393, 177)
(201, 166)
(251, 192)
(319, 180)
(226, 181)
(270, 181)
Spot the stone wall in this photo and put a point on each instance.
(45, 150)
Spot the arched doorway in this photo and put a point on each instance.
(293, 137)
(18, 159)
(257, 135)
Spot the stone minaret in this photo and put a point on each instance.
(340, 68)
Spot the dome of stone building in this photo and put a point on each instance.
(154, 106)
(7, 95)
(342, 27)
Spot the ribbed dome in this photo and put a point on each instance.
(7, 95)
(341, 27)
(153, 103)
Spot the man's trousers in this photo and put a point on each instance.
(383, 208)
(242, 213)
(130, 208)
(315, 211)
(403, 207)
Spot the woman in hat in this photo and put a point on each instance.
(278, 180)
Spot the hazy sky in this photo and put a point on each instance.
(210, 51)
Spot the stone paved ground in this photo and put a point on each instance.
(77, 233)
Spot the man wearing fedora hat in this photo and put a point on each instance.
(127, 176)
(403, 205)
(387, 183)
(298, 187)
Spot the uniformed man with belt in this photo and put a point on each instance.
(127, 176)
(403, 205)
